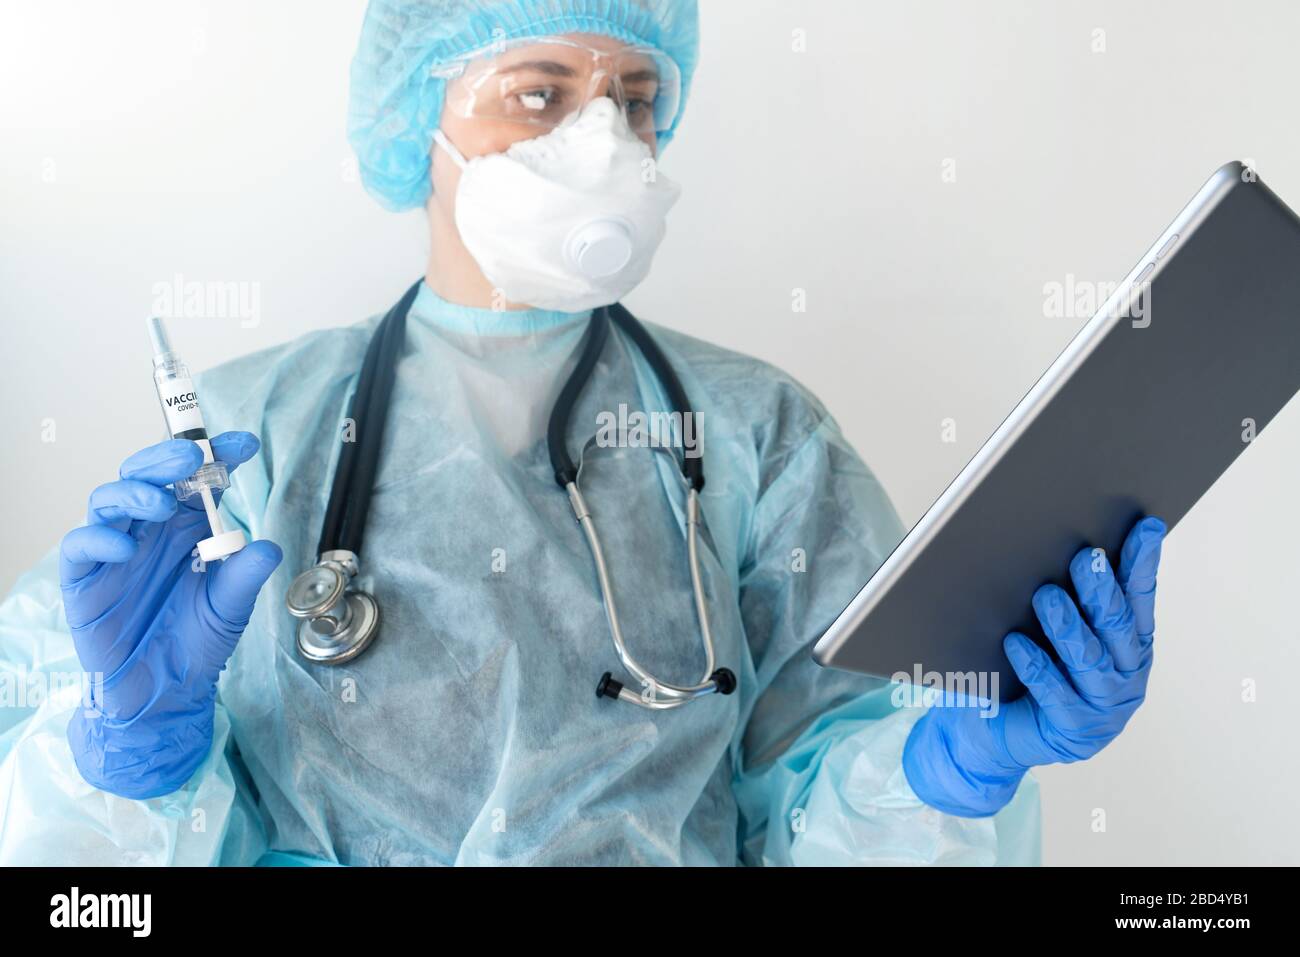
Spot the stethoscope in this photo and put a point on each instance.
(339, 622)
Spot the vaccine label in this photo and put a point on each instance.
(180, 405)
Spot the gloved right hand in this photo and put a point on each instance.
(152, 621)
(965, 761)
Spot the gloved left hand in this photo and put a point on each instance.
(964, 761)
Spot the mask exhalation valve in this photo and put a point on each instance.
(600, 249)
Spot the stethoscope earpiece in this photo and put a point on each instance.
(725, 679)
(607, 687)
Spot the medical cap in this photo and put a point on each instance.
(395, 105)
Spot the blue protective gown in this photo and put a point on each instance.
(470, 732)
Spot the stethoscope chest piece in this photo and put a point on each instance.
(336, 624)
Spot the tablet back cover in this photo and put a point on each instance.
(1145, 425)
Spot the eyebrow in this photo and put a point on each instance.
(641, 76)
(549, 67)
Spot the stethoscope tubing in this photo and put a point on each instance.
(349, 500)
(354, 478)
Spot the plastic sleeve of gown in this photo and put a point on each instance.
(820, 778)
(49, 815)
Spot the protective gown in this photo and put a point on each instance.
(470, 732)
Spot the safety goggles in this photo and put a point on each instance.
(541, 81)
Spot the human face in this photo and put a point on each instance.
(522, 91)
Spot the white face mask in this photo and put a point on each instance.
(567, 221)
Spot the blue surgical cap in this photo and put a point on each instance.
(395, 104)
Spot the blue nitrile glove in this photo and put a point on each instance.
(963, 763)
(157, 630)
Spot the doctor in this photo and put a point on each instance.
(468, 732)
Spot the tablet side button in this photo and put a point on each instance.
(1164, 250)
(1142, 276)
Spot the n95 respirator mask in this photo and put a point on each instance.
(568, 221)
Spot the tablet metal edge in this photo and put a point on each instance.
(1079, 348)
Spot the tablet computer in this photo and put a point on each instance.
(1196, 351)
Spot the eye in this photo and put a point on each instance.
(537, 101)
(640, 113)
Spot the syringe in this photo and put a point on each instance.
(180, 405)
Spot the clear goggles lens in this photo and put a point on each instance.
(542, 82)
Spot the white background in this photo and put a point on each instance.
(143, 140)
